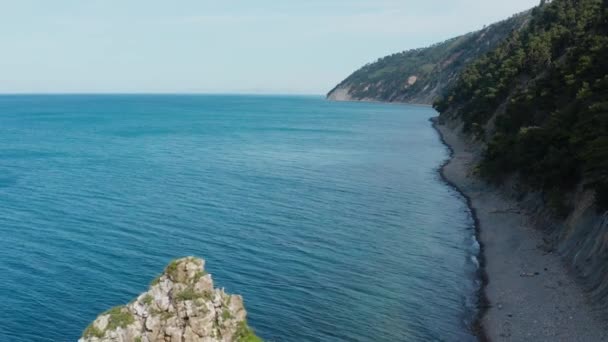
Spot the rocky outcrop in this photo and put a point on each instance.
(181, 306)
(339, 94)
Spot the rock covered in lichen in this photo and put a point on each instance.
(181, 306)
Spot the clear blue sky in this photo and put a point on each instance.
(263, 46)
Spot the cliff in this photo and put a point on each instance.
(420, 75)
(535, 107)
(181, 305)
(528, 295)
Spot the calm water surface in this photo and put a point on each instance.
(329, 218)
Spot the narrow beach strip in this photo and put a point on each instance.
(527, 294)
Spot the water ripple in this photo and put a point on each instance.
(329, 218)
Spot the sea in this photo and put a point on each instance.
(329, 218)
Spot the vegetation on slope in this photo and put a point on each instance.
(540, 101)
(420, 75)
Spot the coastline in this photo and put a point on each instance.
(482, 299)
(526, 293)
(380, 102)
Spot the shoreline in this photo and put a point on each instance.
(380, 102)
(526, 292)
(482, 302)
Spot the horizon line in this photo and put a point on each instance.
(159, 93)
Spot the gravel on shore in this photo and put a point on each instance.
(528, 294)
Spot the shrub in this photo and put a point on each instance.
(245, 334)
(188, 294)
(198, 276)
(155, 281)
(226, 315)
(148, 299)
(171, 270)
(120, 317)
(92, 331)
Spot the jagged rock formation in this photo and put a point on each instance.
(181, 306)
(421, 75)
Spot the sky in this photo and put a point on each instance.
(200, 46)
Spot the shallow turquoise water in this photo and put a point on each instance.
(330, 218)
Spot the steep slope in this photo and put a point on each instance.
(181, 305)
(420, 75)
(540, 100)
(537, 105)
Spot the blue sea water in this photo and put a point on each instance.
(329, 218)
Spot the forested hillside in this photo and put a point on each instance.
(540, 102)
(420, 75)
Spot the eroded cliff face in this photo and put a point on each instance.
(181, 305)
(580, 236)
(340, 94)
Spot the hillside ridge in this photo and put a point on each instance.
(421, 75)
(537, 108)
